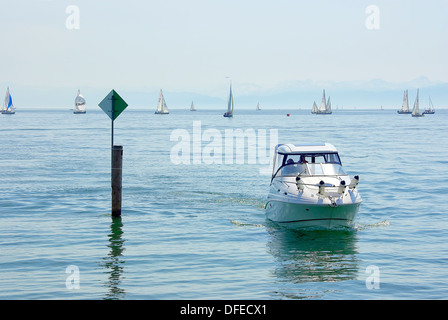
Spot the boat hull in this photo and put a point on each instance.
(299, 215)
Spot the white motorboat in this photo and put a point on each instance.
(309, 188)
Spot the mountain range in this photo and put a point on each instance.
(371, 94)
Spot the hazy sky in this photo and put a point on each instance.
(194, 45)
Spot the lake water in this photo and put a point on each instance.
(198, 230)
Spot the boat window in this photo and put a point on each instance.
(327, 169)
(317, 163)
(318, 158)
(332, 169)
(293, 169)
(332, 158)
(315, 169)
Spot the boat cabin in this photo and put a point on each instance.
(308, 160)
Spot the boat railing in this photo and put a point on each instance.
(325, 188)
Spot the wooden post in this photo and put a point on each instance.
(117, 164)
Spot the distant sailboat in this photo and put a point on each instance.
(325, 106)
(405, 105)
(161, 106)
(416, 110)
(192, 107)
(430, 109)
(8, 107)
(229, 112)
(258, 106)
(314, 110)
(80, 104)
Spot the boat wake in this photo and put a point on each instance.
(380, 224)
(246, 224)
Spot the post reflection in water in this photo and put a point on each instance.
(312, 256)
(112, 263)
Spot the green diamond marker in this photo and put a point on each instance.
(113, 105)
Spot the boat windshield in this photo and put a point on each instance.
(309, 164)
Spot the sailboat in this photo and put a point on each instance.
(229, 112)
(416, 110)
(161, 106)
(80, 104)
(325, 106)
(8, 107)
(192, 107)
(314, 110)
(258, 107)
(329, 106)
(430, 109)
(405, 105)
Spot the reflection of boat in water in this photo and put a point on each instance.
(312, 256)
(309, 188)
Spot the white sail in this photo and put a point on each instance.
(80, 103)
(230, 104)
(416, 109)
(405, 105)
(328, 110)
(8, 106)
(229, 112)
(258, 106)
(314, 110)
(323, 103)
(161, 105)
(192, 107)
